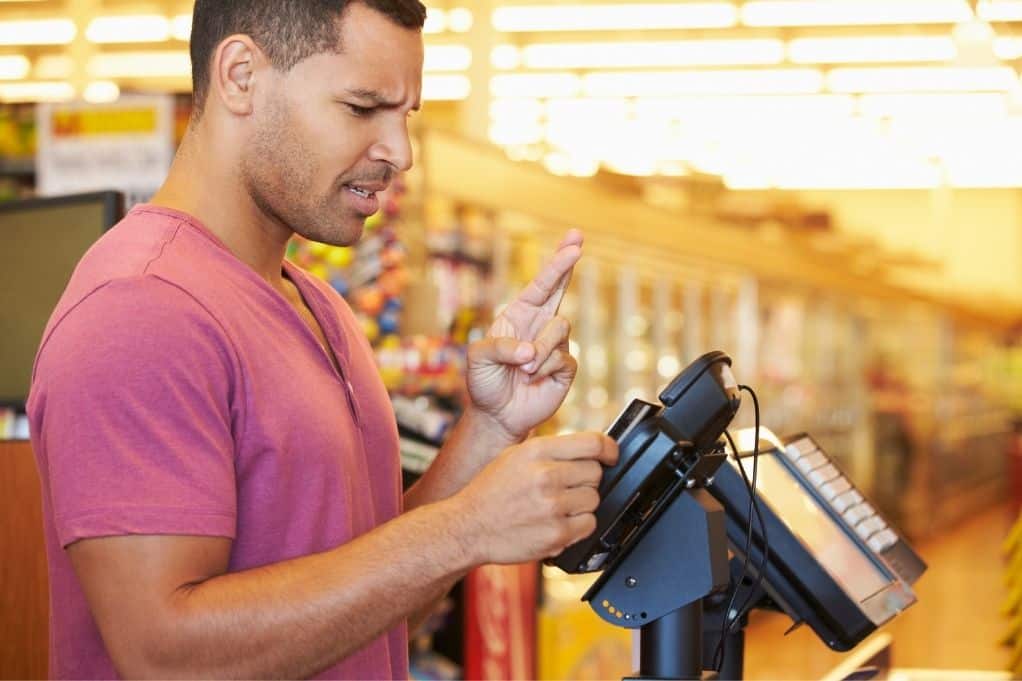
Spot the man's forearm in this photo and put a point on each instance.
(297, 618)
(472, 444)
(474, 441)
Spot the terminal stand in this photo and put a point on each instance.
(660, 586)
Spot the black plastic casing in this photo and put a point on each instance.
(661, 447)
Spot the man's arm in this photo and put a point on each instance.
(167, 607)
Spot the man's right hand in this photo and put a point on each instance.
(535, 499)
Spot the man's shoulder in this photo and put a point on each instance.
(145, 307)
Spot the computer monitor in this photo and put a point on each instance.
(42, 242)
(834, 561)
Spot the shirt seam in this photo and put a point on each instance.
(100, 287)
(183, 510)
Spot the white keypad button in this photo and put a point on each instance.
(834, 490)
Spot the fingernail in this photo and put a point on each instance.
(530, 367)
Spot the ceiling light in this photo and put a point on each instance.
(922, 79)
(513, 133)
(459, 20)
(37, 32)
(972, 105)
(1002, 10)
(535, 85)
(652, 54)
(720, 108)
(101, 92)
(766, 81)
(636, 16)
(14, 67)
(436, 21)
(36, 92)
(506, 57)
(181, 27)
(854, 12)
(163, 64)
(447, 58)
(141, 28)
(447, 87)
(1008, 48)
(517, 109)
(569, 109)
(871, 49)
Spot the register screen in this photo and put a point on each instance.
(826, 540)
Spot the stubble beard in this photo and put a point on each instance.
(280, 181)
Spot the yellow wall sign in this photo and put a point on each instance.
(103, 122)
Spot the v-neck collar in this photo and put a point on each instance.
(316, 303)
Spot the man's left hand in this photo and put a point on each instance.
(521, 372)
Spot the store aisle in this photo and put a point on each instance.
(955, 625)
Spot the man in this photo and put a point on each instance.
(218, 456)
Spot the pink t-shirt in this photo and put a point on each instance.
(176, 392)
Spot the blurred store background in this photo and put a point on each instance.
(829, 190)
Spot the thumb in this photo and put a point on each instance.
(501, 350)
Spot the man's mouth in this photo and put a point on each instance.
(364, 193)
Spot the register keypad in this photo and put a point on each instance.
(838, 491)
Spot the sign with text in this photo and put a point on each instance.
(126, 145)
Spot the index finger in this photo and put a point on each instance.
(579, 446)
(548, 288)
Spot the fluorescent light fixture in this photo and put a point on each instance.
(854, 12)
(535, 85)
(972, 105)
(163, 64)
(622, 17)
(589, 109)
(871, 49)
(715, 82)
(718, 109)
(139, 28)
(459, 20)
(512, 133)
(181, 27)
(523, 110)
(436, 20)
(505, 57)
(36, 92)
(447, 58)
(611, 55)
(922, 79)
(37, 32)
(1001, 10)
(101, 92)
(445, 87)
(14, 67)
(1008, 48)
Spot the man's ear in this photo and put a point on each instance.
(234, 66)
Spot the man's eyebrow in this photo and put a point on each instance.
(376, 98)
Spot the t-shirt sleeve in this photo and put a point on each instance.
(132, 415)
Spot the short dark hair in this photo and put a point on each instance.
(288, 31)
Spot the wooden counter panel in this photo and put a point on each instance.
(24, 601)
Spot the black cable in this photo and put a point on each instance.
(728, 624)
(747, 604)
(718, 653)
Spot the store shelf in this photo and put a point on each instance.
(623, 226)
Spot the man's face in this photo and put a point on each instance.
(331, 133)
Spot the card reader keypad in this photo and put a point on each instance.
(838, 491)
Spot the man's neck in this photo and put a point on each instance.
(202, 185)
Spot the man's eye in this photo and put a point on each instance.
(360, 110)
